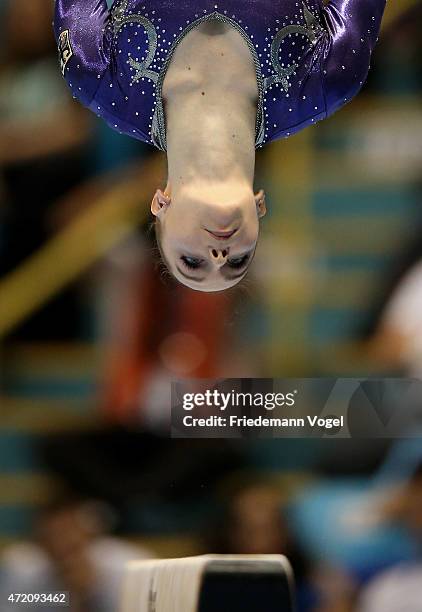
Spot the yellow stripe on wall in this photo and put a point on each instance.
(26, 489)
(45, 416)
(73, 250)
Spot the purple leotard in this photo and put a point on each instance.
(310, 59)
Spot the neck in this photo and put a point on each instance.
(213, 139)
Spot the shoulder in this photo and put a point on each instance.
(353, 30)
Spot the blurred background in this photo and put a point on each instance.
(92, 332)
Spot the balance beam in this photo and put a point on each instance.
(210, 583)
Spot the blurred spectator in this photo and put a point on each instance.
(255, 522)
(37, 116)
(398, 341)
(396, 324)
(399, 589)
(71, 552)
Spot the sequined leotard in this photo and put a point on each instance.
(310, 58)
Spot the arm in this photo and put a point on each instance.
(84, 41)
(353, 27)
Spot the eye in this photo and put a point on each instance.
(191, 262)
(237, 262)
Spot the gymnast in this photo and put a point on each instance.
(209, 82)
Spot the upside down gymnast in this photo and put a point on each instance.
(208, 82)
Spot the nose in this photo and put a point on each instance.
(219, 256)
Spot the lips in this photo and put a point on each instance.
(222, 235)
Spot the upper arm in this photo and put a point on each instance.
(353, 27)
(84, 41)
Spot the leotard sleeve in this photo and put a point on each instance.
(353, 27)
(84, 41)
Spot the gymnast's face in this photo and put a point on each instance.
(207, 237)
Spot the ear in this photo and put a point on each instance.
(261, 206)
(159, 203)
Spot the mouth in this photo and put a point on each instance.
(224, 235)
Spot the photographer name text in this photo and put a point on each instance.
(262, 421)
(224, 402)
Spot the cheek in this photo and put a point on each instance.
(182, 230)
(178, 239)
(177, 223)
(253, 221)
(250, 236)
